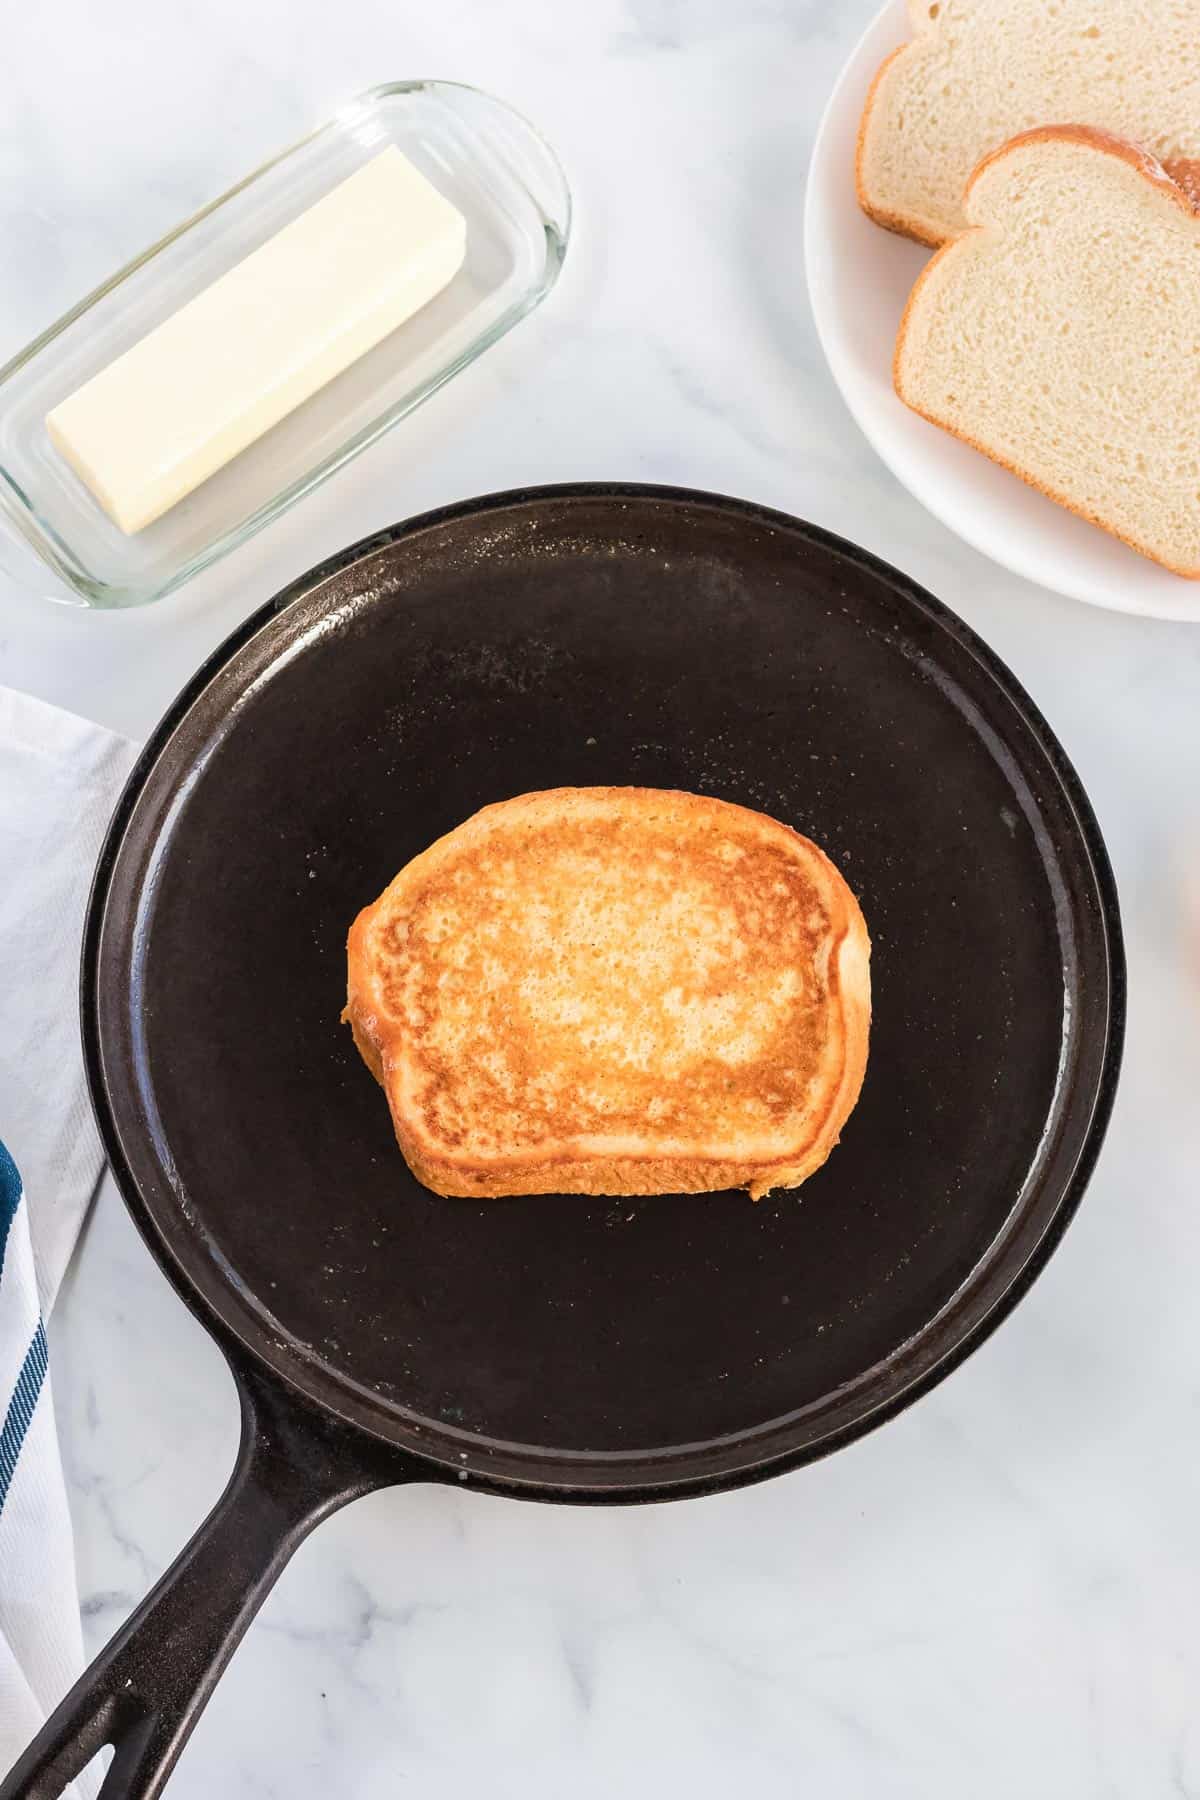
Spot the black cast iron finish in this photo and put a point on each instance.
(566, 1348)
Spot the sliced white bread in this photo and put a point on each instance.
(1061, 335)
(978, 72)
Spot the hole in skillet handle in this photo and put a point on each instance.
(145, 1691)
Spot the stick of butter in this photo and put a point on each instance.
(209, 380)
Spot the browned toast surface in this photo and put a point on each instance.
(614, 991)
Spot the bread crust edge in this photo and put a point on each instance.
(903, 224)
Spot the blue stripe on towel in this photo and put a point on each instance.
(10, 1198)
(21, 1408)
(33, 1370)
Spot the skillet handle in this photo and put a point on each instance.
(146, 1689)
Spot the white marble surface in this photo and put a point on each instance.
(998, 1593)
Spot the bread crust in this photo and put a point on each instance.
(1151, 170)
(904, 225)
(563, 1169)
(1185, 173)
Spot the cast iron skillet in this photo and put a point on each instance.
(568, 1348)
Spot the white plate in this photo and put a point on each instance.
(859, 278)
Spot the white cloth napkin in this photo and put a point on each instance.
(59, 780)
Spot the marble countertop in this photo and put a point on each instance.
(997, 1593)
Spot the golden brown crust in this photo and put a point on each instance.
(411, 956)
(1154, 172)
(1185, 173)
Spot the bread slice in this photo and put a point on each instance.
(979, 72)
(1061, 336)
(614, 991)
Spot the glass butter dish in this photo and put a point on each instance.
(477, 152)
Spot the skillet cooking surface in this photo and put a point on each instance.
(587, 636)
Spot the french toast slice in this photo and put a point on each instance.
(614, 991)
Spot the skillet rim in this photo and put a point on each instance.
(736, 1460)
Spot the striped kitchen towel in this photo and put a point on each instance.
(41, 1649)
(59, 780)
